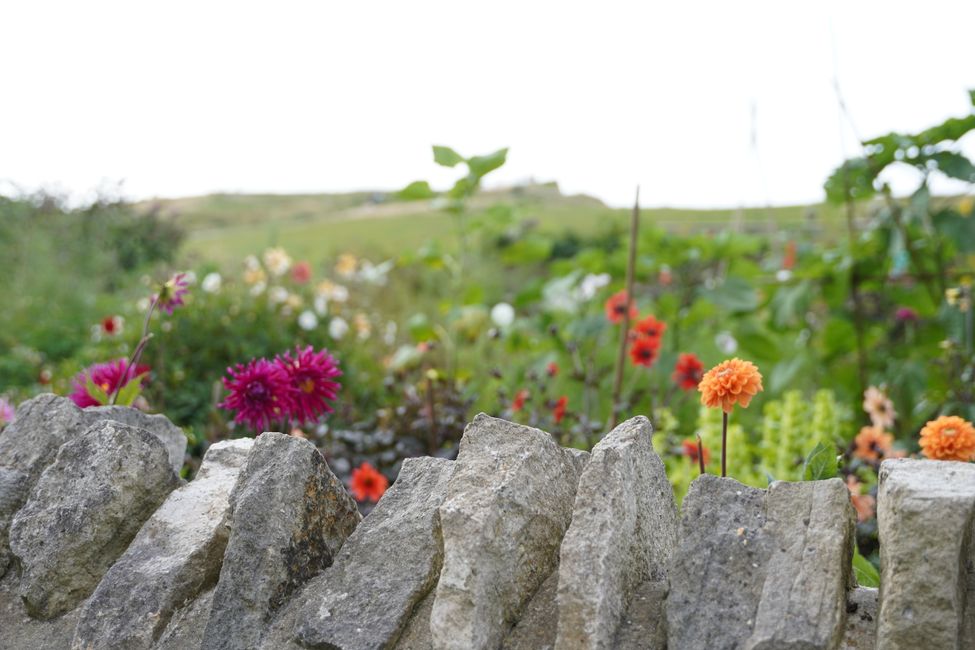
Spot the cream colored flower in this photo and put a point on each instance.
(879, 407)
(277, 261)
(346, 265)
(332, 291)
(362, 326)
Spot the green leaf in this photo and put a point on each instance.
(854, 177)
(735, 295)
(416, 191)
(820, 463)
(955, 165)
(446, 156)
(865, 572)
(96, 391)
(130, 391)
(481, 165)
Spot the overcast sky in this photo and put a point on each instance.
(177, 98)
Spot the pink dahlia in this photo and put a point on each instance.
(172, 293)
(260, 392)
(312, 375)
(109, 377)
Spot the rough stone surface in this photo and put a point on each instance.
(644, 625)
(623, 532)
(175, 556)
(509, 503)
(185, 629)
(537, 626)
(861, 619)
(290, 516)
(83, 512)
(416, 634)
(761, 569)
(27, 446)
(385, 568)
(18, 631)
(803, 602)
(925, 517)
(158, 425)
(43, 424)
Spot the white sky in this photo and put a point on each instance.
(178, 98)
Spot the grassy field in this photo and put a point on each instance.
(223, 228)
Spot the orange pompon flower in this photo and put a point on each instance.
(948, 438)
(368, 484)
(643, 351)
(873, 444)
(649, 327)
(616, 307)
(730, 382)
(864, 504)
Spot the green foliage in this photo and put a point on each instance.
(865, 572)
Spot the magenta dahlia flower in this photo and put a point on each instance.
(108, 377)
(313, 384)
(260, 393)
(172, 293)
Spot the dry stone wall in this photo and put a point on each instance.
(518, 544)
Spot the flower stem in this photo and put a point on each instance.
(137, 353)
(625, 325)
(700, 453)
(724, 443)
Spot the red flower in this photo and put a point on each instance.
(519, 401)
(260, 392)
(552, 369)
(616, 307)
(559, 411)
(643, 351)
(301, 272)
(690, 450)
(688, 371)
(107, 376)
(368, 484)
(789, 257)
(649, 327)
(112, 325)
(313, 384)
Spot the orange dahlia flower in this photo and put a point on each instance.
(948, 438)
(730, 382)
(873, 443)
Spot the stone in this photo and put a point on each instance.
(158, 425)
(43, 424)
(289, 517)
(18, 631)
(803, 601)
(176, 555)
(508, 505)
(761, 569)
(186, 626)
(644, 625)
(538, 624)
(926, 523)
(861, 619)
(385, 568)
(416, 634)
(83, 512)
(27, 446)
(623, 533)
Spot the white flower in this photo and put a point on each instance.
(258, 288)
(559, 294)
(189, 277)
(591, 284)
(321, 305)
(374, 274)
(277, 295)
(337, 328)
(251, 263)
(142, 304)
(277, 261)
(389, 336)
(307, 320)
(503, 314)
(783, 275)
(211, 282)
(726, 342)
(332, 291)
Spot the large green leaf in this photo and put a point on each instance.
(416, 191)
(446, 156)
(735, 294)
(865, 572)
(820, 463)
(955, 165)
(481, 165)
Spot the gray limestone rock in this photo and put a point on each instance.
(385, 568)
(43, 424)
(186, 626)
(623, 533)
(509, 503)
(537, 626)
(803, 602)
(176, 555)
(158, 425)
(416, 634)
(761, 569)
(644, 625)
(18, 631)
(861, 620)
(289, 518)
(926, 521)
(83, 512)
